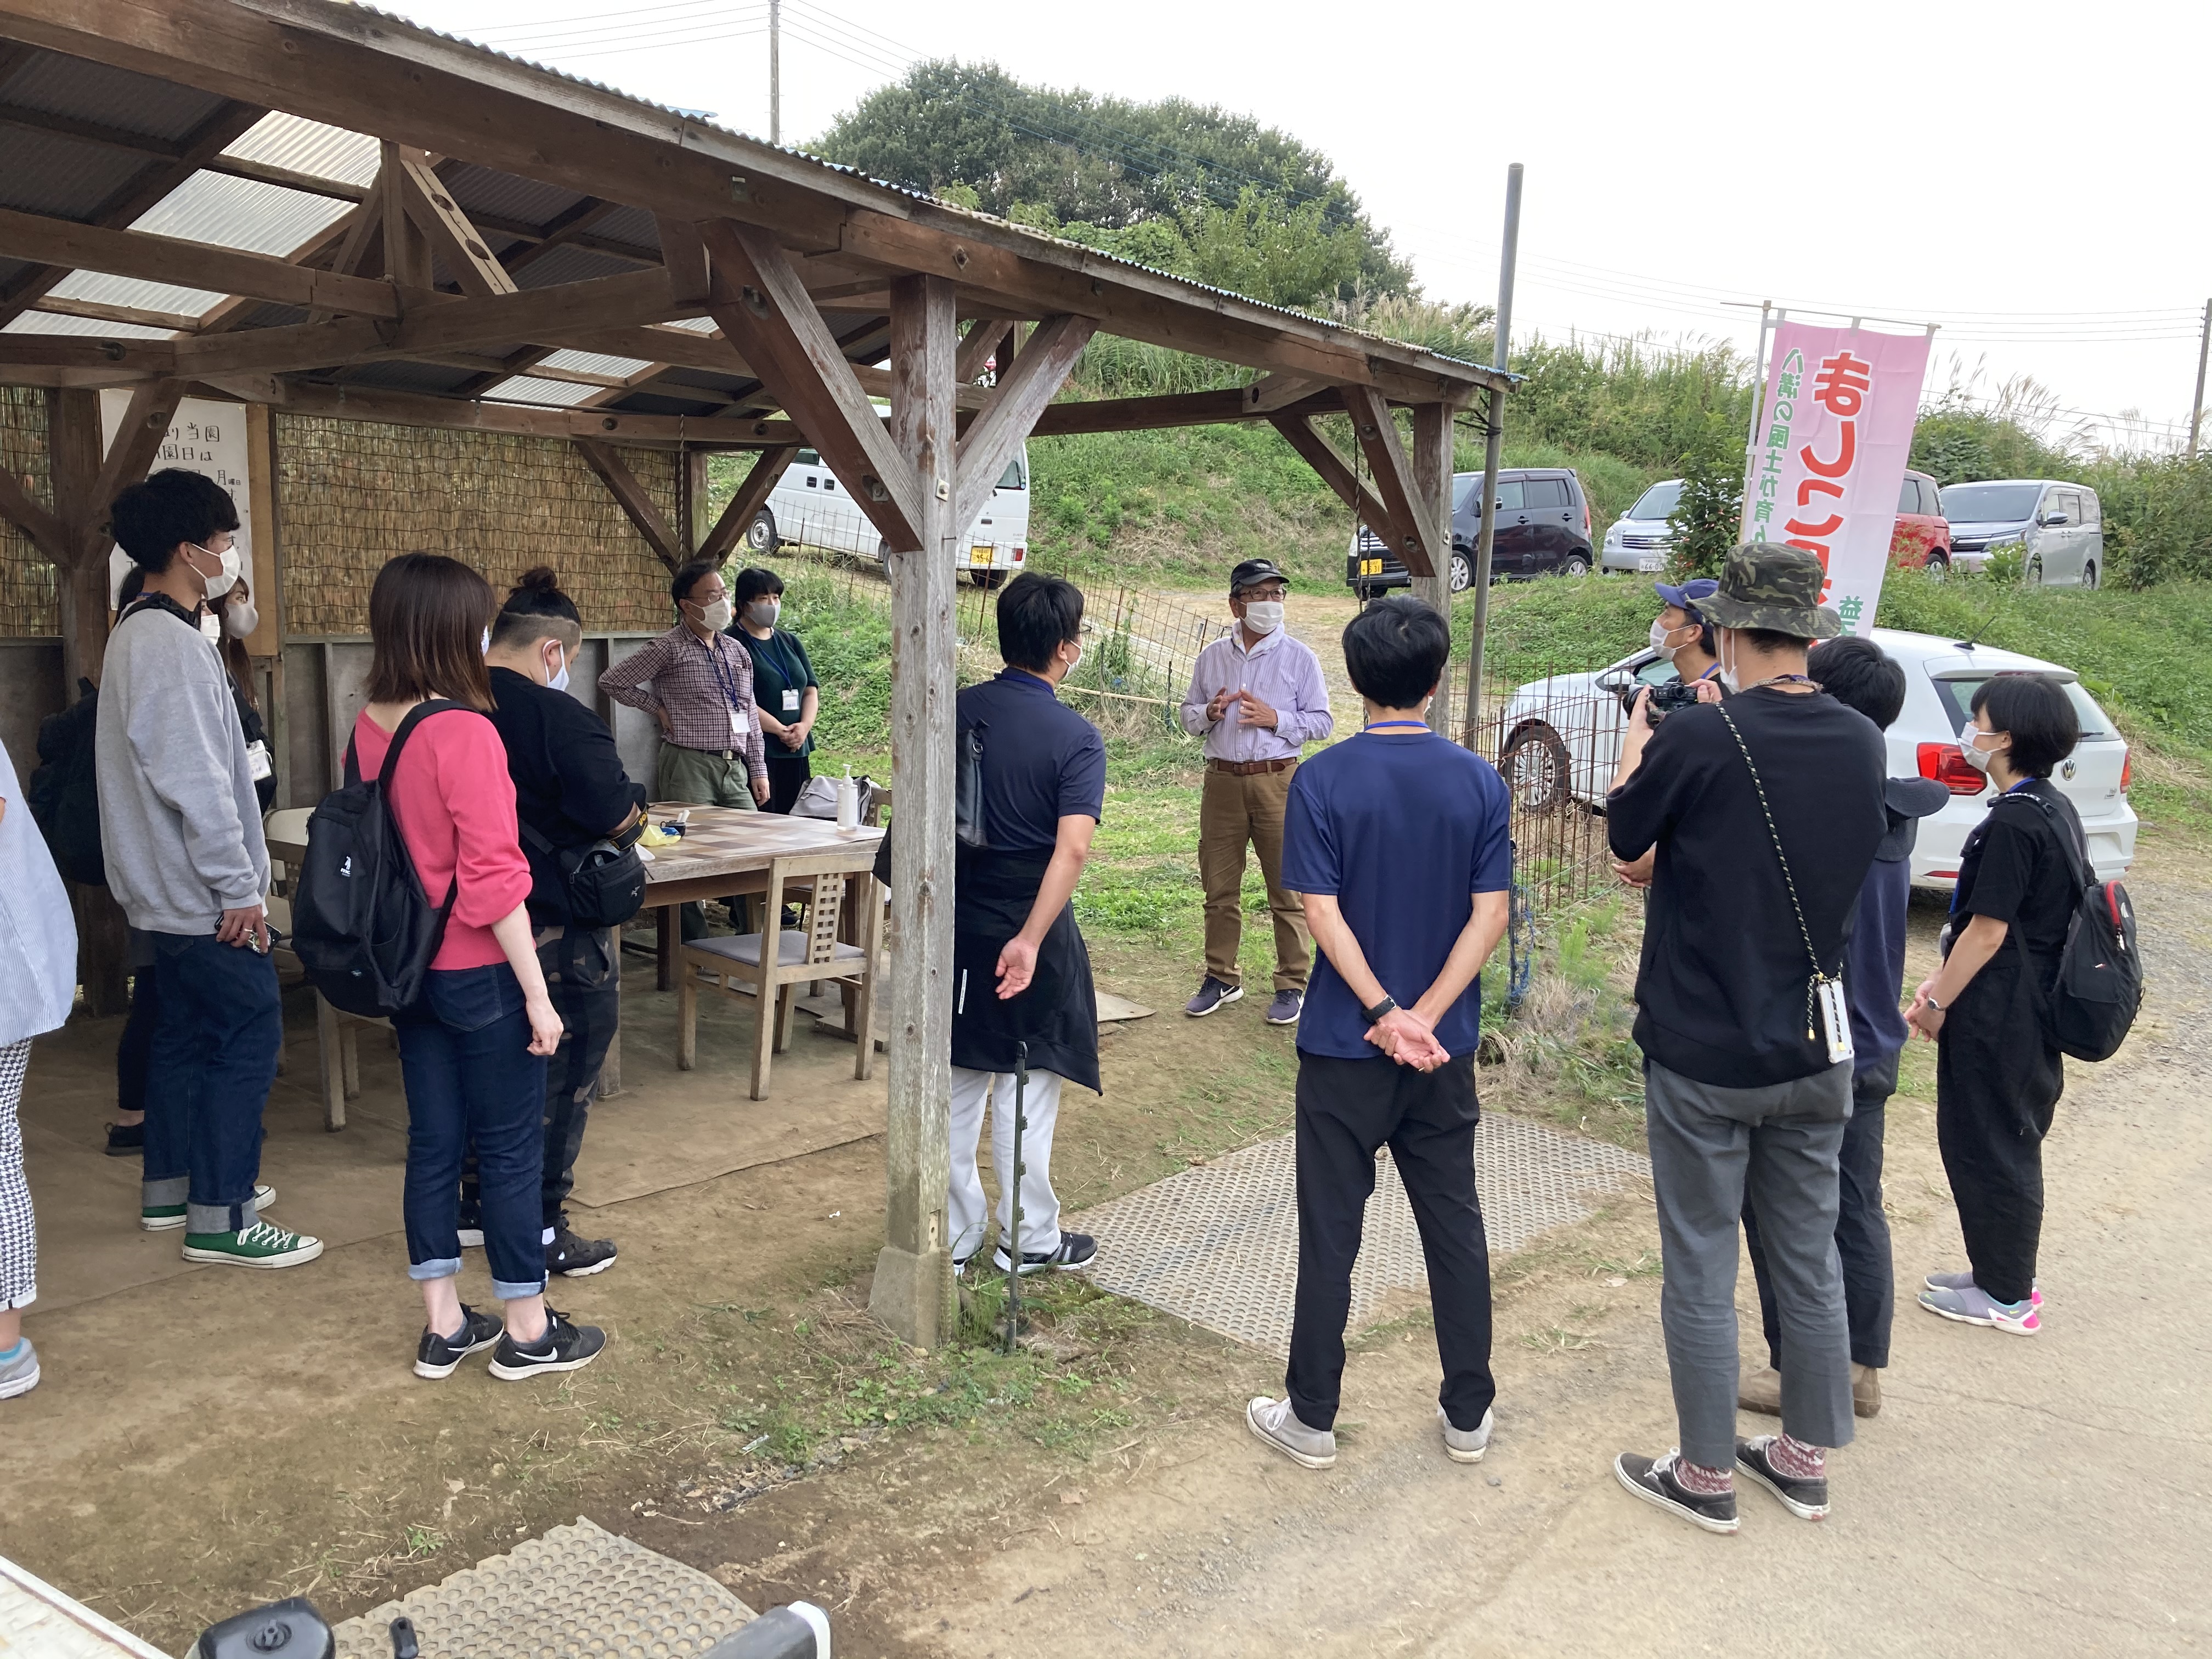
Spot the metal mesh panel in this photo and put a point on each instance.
(1217, 1245)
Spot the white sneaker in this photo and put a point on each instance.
(1465, 1445)
(1274, 1422)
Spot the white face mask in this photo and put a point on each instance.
(211, 627)
(1661, 633)
(559, 681)
(239, 618)
(716, 616)
(228, 567)
(763, 613)
(1074, 662)
(1727, 668)
(1969, 745)
(484, 644)
(1263, 616)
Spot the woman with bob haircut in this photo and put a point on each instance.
(1999, 1073)
(472, 1052)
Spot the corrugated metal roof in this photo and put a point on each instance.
(410, 377)
(565, 263)
(527, 389)
(504, 196)
(279, 140)
(592, 362)
(41, 173)
(629, 224)
(242, 213)
(59, 85)
(650, 403)
(46, 322)
(131, 291)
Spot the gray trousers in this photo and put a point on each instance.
(1707, 1145)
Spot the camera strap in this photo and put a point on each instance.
(1825, 992)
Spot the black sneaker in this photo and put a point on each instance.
(1805, 1499)
(564, 1347)
(1077, 1251)
(126, 1140)
(439, 1356)
(1652, 1479)
(577, 1258)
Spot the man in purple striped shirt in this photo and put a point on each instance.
(1257, 697)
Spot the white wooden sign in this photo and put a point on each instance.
(205, 436)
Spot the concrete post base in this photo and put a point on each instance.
(913, 1295)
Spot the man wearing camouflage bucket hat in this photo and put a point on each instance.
(1763, 813)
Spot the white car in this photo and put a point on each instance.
(809, 506)
(1562, 740)
(1642, 539)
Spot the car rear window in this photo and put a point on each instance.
(1958, 697)
(1464, 488)
(1658, 501)
(1546, 492)
(1990, 503)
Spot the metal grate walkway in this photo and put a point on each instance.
(1218, 1244)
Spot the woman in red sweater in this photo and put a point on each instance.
(473, 1051)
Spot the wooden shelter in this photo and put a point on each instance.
(503, 248)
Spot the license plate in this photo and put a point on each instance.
(980, 555)
(1650, 562)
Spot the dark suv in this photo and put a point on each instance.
(1543, 530)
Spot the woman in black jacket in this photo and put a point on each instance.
(1999, 1073)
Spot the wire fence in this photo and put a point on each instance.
(1555, 740)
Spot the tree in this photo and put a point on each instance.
(1707, 521)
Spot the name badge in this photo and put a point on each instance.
(790, 703)
(736, 729)
(257, 761)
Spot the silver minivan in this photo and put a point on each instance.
(1642, 538)
(2060, 525)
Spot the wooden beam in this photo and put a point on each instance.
(1413, 532)
(47, 533)
(564, 229)
(981, 340)
(1273, 391)
(989, 444)
(89, 132)
(126, 203)
(137, 440)
(431, 207)
(127, 359)
(912, 1291)
(56, 306)
(752, 495)
(184, 264)
(637, 506)
(345, 402)
(685, 256)
(1335, 471)
(763, 309)
(290, 178)
(1173, 410)
(406, 248)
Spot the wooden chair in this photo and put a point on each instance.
(778, 961)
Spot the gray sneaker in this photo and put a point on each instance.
(1965, 1281)
(19, 1375)
(1212, 994)
(1286, 1008)
(1465, 1445)
(1274, 1422)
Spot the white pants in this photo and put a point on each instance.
(964, 1204)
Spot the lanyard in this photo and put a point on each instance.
(2024, 783)
(725, 675)
(1419, 726)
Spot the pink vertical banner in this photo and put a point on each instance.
(1834, 436)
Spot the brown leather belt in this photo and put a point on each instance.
(1251, 768)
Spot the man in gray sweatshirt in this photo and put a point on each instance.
(181, 831)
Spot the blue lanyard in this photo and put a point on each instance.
(725, 675)
(1419, 726)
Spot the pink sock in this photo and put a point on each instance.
(1706, 1483)
(1795, 1459)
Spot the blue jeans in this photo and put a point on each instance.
(216, 1040)
(464, 1053)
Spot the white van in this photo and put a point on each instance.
(809, 506)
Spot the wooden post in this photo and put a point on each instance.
(697, 511)
(913, 1279)
(1431, 493)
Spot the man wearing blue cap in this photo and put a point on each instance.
(1681, 631)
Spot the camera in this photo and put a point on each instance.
(1666, 697)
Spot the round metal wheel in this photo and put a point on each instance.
(1578, 564)
(1938, 566)
(1534, 765)
(2088, 576)
(1463, 570)
(760, 534)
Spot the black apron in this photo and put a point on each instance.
(1058, 1015)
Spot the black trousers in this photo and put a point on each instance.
(1347, 1109)
(1862, 1230)
(134, 1051)
(786, 775)
(1998, 1078)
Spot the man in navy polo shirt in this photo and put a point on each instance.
(1020, 974)
(1398, 840)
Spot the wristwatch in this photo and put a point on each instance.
(1935, 1004)
(1375, 1015)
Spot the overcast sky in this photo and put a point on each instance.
(2032, 177)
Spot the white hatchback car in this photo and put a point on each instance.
(1562, 740)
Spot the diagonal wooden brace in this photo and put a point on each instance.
(997, 433)
(1414, 536)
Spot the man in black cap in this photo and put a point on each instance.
(1765, 810)
(1258, 698)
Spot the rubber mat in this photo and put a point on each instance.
(578, 1592)
(1218, 1244)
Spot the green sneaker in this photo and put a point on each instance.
(160, 1217)
(259, 1246)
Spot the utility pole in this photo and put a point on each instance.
(2197, 409)
(1493, 443)
(775, 71)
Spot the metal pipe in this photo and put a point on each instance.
(775, 71)
(1751, 431)
(1493, 443)
(2197, 409)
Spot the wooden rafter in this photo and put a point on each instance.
(991, 440)
(764, 310)
(631, 497)
(47, 533)
(1335, 471)
(566, 228)
(148, 187)
(1413, 526)
(752, 495)
(98, 311)
(1273, 391)
(431, 209)
(983, 338)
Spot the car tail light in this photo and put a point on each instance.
(1947, 763)
(1943, 875)
(2127, 768)
(1585, 518)
(1018, 552)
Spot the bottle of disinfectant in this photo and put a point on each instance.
(848, 801)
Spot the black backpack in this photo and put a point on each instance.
(64, 791)
(605, 884)
(361, 924)
(2098, 989)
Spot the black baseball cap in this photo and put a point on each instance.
(1252, 572)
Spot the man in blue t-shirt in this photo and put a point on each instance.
(1398, 840)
